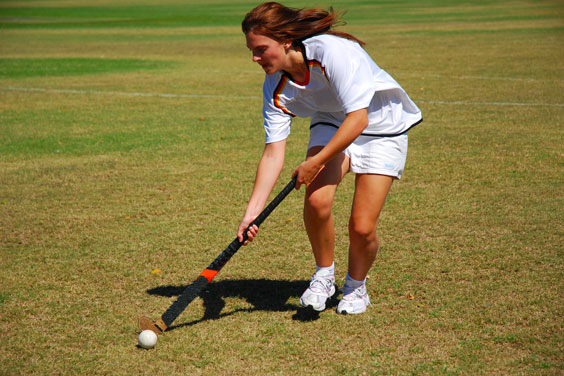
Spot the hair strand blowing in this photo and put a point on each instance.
(282, 23)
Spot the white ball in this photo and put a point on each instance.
(147, 339)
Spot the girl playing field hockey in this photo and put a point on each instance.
(359, 122)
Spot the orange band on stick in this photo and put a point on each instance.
(209, 274)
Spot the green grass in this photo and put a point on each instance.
(129, 136)
(54, 67)
(197, 13)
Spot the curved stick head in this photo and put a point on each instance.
(146, 323)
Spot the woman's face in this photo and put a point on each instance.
(268, 53)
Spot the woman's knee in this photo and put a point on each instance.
(319, 203)
(362, 230)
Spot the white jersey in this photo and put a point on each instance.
(341, 78)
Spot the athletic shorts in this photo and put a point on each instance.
(368, 154)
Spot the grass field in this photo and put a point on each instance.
(129, 136)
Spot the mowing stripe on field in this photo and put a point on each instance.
(469, 103)
(211, 96)
(473, 77)
(124, 93)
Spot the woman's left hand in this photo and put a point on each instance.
(306, 172)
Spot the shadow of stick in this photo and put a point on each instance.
(262, 294)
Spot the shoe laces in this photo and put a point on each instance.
(357, 293)
(320, 284)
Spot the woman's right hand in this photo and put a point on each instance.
(251, 233)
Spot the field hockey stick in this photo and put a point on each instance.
(196, 287)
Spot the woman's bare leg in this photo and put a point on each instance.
(369, 198)
(318, 217)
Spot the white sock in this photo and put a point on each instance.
(326, 271)
(352, 284)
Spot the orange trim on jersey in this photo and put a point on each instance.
(284, 80)
(311, 64)
(209, 274)
(315, 63)
(279, 88)
(306, 79)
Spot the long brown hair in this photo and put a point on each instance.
(282, 23)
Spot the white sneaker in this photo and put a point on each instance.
(320, 289)
(354, 302)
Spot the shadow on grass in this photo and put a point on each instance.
(262, 294)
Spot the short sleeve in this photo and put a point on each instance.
(276, 123)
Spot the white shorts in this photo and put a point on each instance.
(368, 154)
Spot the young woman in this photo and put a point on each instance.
(359, 122)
